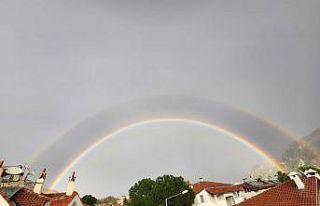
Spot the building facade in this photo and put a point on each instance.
(221, 194)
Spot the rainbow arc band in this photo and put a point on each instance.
(242, 139)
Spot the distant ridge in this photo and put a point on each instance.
(298, 155)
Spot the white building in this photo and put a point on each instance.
(220, 194)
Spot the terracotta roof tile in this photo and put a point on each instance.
(287, 194)
(224, 189)
(25, 197)
(61, 199)
(199, 186)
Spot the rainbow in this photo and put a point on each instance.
(295, 138)
(240, 138)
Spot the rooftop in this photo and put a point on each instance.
(287, 194)
(26, 197)
(199, 186)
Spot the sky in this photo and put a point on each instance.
(62, 62)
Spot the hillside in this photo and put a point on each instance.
(306, 151)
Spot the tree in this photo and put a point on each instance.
(140, 193)
(148, 192)
(89, 200)
(282, 176)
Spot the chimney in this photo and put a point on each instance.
(295, 176)
(40, 181)
(1, 169)
(70, 186)
(201, 179)
(311, 173)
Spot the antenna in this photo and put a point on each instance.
(43, 174)
(73, 177)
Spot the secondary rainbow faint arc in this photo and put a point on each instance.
(244, 140)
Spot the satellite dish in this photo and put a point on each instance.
(14, 170)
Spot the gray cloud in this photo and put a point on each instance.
(62, 62)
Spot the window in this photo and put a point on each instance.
(230, 201)
(201, 198)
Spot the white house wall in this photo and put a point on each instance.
(220, 200)
(215, 200)
(3, 202)
(208, 199)
(75, 202)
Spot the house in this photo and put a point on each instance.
(17, 191)
(302, 189)
(26, 197)
(221, 194)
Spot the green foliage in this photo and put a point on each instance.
(89, 200)
(140, 193)
(148, 192)
(282, 176)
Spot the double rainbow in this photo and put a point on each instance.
(238, 137)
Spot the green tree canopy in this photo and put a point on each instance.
(148, 192)
(140, 193)
(89, 200)
(282, 176)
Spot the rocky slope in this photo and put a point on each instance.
(306, 151)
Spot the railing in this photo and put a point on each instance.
(9, 183)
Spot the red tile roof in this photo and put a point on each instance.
(199, 186)
(25, 197)
(287, 194)
(61, 199)
(224, 189)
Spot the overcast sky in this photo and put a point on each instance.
(63, 61)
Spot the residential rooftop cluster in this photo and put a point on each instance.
(214, 193)
(17, 190)
(302, 189)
